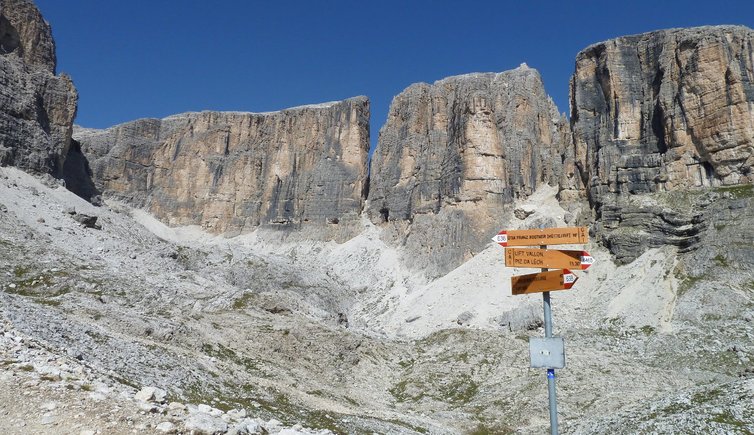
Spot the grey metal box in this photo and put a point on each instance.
(548, 353)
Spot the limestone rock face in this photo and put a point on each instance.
(662, 111)
(232, 172)
(37, 107)
(452, 157)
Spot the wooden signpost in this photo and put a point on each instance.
(549, 258)
(562, 279)
(549, 351)
(545, 236)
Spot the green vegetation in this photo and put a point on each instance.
(278, 406)
(686, 282)
(726, 417)
(706, 396)
(738, 191)
(21, 271)
(460, 391)
(229, 355)
(709, 317)
(40, 288)
(720, 260)
(243, 301)
(406, 363)
(399, 392)
(676, 408)
(97, 337)
(647, 330)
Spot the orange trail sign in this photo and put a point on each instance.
(543, 282)
(547, 258)
(546, 236)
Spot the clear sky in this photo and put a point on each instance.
(133, 59)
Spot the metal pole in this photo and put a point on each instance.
(550, 372)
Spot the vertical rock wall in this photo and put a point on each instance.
(302, 168)
(453, 156)
(662, 111)
(37, 107)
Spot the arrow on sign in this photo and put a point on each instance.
(562, 279)
(547, 258)
(546, 236)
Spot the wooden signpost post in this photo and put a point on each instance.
(545, 352)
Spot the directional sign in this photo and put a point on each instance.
(547, 236)
(549, 258)
(543, 282)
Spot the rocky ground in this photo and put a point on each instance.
(45, 392)
(240, 333)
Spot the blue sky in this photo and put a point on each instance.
(152, 58)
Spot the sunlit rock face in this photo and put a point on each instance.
(231, 172)
(37, 107)
(661, 112)
(454, 155)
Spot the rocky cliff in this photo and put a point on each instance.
(454, 155)
(657, 112)
(36, 106)
(232, 172)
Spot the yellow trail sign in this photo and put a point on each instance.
(546, 236)
(547, 258)
(543, 282)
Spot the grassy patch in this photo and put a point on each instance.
(647, 330)
(460, 391)
(676, 408)
(40, 287)
(727, 418)
(706, 396)
(720, 260)
(97, 337)
(21, 271)
(277, 405)
(686, 282)
(738, 191)
(457, 390)
(243, 301)
(229, 355)
(400, 394)
(124, 381)
(406, 363)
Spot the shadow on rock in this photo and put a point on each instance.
(78, 175)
